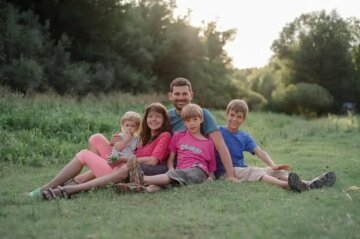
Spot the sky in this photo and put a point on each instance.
(258, 22)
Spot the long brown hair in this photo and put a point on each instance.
(145, 131)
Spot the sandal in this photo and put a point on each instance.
(129, 187)
(71, 182)
(54, 193)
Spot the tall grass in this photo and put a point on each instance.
(41, 133)
(46, 129)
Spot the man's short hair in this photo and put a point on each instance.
(180, 81)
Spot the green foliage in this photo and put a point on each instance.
(132, 46)
(23, 74)
(303, 98)
(318, 47)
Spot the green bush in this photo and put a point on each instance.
(23, 74)
(302, 98)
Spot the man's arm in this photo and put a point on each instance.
(224, 153)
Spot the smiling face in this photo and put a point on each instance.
(180, 96)
(234, 120)
(154, 121)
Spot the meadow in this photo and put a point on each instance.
(39, 134)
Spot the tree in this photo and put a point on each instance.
(318, 47)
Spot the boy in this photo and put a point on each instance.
(239, 141)
(180, 95)
(195, 157)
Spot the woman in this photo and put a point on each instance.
(155, 135)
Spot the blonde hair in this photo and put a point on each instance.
(191, 111)
(238, 106)
(131, 116)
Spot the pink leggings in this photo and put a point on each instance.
(96, 162)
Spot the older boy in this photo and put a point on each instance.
(180, 95)
(239, 141)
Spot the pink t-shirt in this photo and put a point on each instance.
(157, 149)
(191, 152)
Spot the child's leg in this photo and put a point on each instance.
(97, 165)
(87, 176)
(282, 175)
(153, 188)
(158, 180)
(275, 181)
(117, 176)
(68, 172)
(100, 146)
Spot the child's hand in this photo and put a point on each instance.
(128, 135)
(110, 161)
(115, 138)
(286, 167)
(210, 179)
(232, 179)
(114, 163)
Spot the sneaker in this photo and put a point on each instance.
(136, 174)
(296, 184)
(327, 179)
(129, 187)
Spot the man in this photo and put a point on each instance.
(180, 95)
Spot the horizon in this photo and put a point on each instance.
(251, 47)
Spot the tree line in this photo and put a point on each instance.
(139, 46)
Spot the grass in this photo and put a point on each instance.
(40, 134)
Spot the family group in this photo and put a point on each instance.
(180, 146)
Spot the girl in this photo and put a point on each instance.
(129, 139)
(155, 136)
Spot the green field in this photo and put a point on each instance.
(38, 135)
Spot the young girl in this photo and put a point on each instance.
(155, 136)
(194, 152)
(128, 140)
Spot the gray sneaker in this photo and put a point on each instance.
(327, 179)
(296, 184)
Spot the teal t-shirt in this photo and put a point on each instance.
(177, 124)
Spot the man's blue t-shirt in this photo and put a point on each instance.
(237, 143)
(208, 126)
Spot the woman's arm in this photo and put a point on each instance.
(150, 160)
